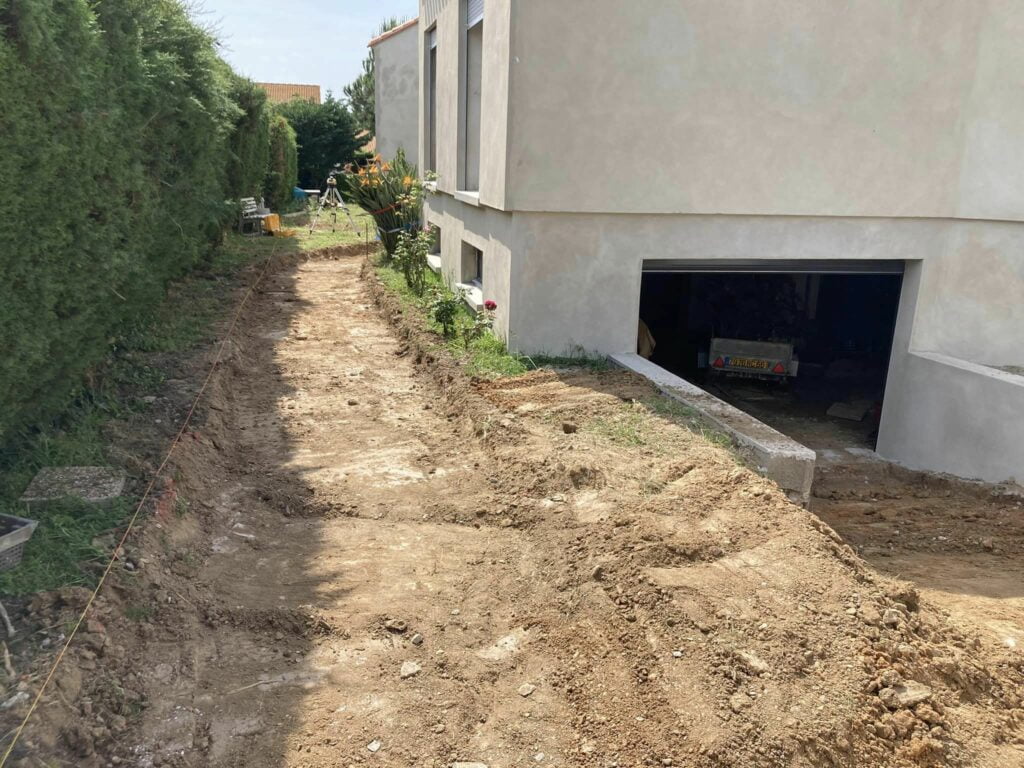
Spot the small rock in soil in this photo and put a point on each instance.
(409, 669)
(374, 745)
(526, 689)
(905, 696)
(891, 617)
(751, 663)
(568, 427)
(417, 639)
(469, 765)
(353, 402)
(395, 625)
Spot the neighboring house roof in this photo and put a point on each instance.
(371, 141)
(393, 32)
(280, 93)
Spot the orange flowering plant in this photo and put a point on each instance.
(391, 192)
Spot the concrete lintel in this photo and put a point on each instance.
(776, 456)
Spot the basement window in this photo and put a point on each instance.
(472, 276)
(472, 265)
(434, 257)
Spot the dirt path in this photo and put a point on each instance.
(342, 535)
(382, 564)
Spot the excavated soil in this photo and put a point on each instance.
(364, 559)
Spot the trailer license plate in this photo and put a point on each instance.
(749, 362)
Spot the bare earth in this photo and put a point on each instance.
(383, 564)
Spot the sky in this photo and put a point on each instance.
(299, 41)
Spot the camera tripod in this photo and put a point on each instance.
(332, 199)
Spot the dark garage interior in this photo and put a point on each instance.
(839, 324)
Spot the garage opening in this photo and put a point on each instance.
(801, 346)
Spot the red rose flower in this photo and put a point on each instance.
(490, 305)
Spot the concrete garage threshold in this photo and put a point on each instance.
(774, 455)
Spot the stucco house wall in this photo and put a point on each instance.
(749, 130)
(872, 108)
(396, 91)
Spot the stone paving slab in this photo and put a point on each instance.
(96, 485)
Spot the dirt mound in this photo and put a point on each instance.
(363, 557)
(756, 634)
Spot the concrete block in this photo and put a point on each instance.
(96, 485)
(773, 454)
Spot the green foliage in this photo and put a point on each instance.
(326, 137)
(63, 547)
(481, 325)
(485, 356)
(360, 92)
(361, 100)
(390, 192)
(411, 257)
(250, 139)
(283, 173)
(444, 308)
(120, 141)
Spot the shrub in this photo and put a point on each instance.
(125, 107)
(411, 256)
(282, 175)
(444, 309)
(390, 192)
(482, 323)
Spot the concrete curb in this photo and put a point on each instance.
(774, 455)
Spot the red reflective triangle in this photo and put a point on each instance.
(719, 363)
(779, 368)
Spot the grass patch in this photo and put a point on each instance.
(327, 234)
(628, 427)
(487, 356)
(62, 548)
(64, 544)
(685, 416)
(631, 424)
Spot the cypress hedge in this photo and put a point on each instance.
(122, 138)
(284, 163)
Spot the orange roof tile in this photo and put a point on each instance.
(280, 93)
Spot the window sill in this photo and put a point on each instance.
(472, 294)
(470, 198)
(434, 262)
(430, 186)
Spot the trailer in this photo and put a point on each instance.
(769, 360)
